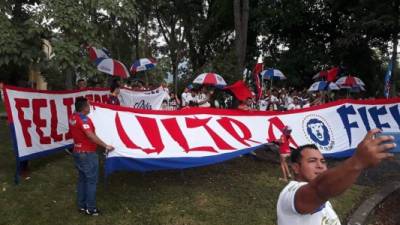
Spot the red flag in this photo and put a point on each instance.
(332, 73)
(240, 90)
(256, 71)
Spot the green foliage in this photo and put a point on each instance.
(298, 37)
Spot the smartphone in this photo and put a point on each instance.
(396, 136)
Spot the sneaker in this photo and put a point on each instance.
(82, 210)
(93, 212)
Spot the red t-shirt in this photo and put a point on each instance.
(284, 144)
(78, 123)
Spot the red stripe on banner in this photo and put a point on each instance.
(230, 112)
(210, 79)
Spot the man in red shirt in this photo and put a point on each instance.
(85, 156)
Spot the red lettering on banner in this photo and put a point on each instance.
(275, 121)
(152, 132)
(54, 122)
(68, 103)
(176, 133)
(123, 135)
(196, 122)
(89, 97)
(227, 124)
(40, 123)
(25, 124)
(97, 98)
(104, 98)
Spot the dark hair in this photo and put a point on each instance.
(80, 103)
(113, 87)
(80, 80)
(295, 154)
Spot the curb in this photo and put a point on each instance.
(359, 217)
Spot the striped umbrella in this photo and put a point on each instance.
(210, 79)
(273, 73)
(96, 53)
(112, 67)
(349, 82)
(143, 64)
(323, 86)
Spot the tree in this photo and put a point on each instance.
(241, 13)
(20, 41)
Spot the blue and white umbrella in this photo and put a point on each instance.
(143, 64)
(323, 86)
(275, 74)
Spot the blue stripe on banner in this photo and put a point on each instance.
(113, 164)
(45, 153)
(341, 154)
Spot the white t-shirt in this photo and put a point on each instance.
(201, 98)
(287, 214)
(184, 98)
(263, 104)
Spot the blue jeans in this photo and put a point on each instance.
(88, 168)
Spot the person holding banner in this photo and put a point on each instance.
(85, 156)
(305, 200)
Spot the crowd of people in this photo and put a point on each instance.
(278, 99)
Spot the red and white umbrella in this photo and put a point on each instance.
(143, 64)
(112, 67)
(96, 53)
(210, 79)
(350, 82)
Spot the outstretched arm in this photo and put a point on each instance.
(370, 152)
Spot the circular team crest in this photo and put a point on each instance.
(317, 131)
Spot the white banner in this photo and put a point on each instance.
(142, 99)
(187, 138)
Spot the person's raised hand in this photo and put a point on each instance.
(372, 150)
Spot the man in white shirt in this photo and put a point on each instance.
(185, 97)
(305, 201)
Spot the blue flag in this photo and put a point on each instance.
(388, 76)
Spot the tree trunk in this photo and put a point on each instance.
(241, 15)
(69, 79)
(395, 41)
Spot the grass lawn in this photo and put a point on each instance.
(2, 107)
(241, 191)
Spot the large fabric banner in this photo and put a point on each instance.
(39, 119)
(155, 140)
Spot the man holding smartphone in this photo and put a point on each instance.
(305, 200)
